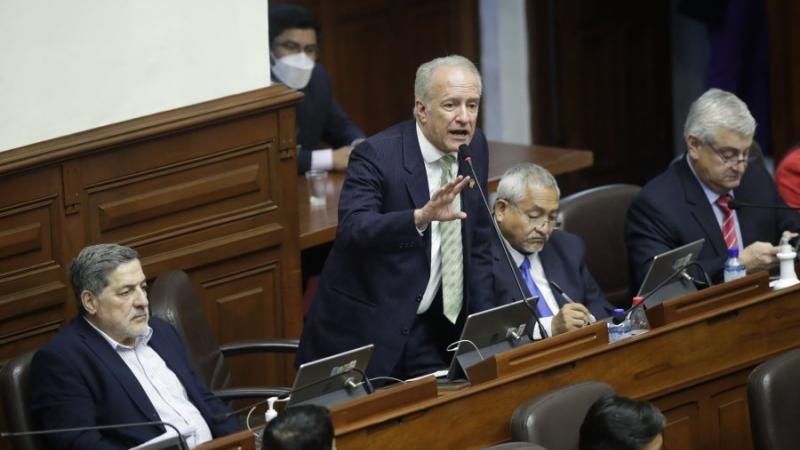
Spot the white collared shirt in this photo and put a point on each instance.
(712, 200)
(539, 277)
(431, 155)
(162, 387)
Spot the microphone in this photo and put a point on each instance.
(181, 442)
(736, 204)
(349, 383)
(463, 149)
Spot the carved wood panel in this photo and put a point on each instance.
(32, 282)
(711, 415)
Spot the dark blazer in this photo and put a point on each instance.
(321, 119)
(77, 379)
(563, 260)
(377, 271)
(672, 210)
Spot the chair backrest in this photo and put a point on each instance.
(553, 420)
(774, 401)
(598, 216)
(14, 385)
(172, 298)
(515, 446)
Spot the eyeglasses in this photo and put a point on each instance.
(538, 220)
(732, 157)
(293, 47)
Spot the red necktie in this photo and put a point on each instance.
(728, 224)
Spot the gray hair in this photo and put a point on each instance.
(717, 109)
(89, 271)
(513, 186)
(422, 82)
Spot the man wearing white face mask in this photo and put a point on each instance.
(293, 38)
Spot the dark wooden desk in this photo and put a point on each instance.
(694, 369)
(318, 225)
(243, 440)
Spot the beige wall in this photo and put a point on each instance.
(68, 66)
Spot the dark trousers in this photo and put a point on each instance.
(426, 349)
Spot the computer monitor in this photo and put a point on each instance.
(331, 380)
(488, 332)
(664, 266)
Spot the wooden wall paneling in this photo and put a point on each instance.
(710, 415)
(33, 288)
(784, 61)
(612, 92)
(683, 426)
(241, 298)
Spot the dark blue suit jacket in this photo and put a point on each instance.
(321, 119)
(77, 380)
(563, 260)
(672, 210)
(377, 271)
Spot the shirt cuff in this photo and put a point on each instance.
(421, 230)
(322, 159)
(547, 323)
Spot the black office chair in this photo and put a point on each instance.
(14, 385)
(553, 420)
(774, 401)
(598, 216)
(172, 298)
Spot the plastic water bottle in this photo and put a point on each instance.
(637, 318)
(618, 326)
(733, 267)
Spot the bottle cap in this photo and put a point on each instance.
(618, 312)
(733, 252)
(638, 300)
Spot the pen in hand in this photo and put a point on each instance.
(569, 299)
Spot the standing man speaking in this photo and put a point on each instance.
(412, 254)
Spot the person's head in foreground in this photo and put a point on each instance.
(304, 427)
(621, 423)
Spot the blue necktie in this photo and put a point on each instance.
(541, 305)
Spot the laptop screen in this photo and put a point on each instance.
(324, 381)
(664, 266)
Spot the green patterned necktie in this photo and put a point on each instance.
(452, 259)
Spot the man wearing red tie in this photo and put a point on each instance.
(692, 198)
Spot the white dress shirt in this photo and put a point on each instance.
(163, 388)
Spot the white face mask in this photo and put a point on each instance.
(294, 70)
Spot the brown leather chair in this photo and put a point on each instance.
(598, 216)
(553, 420)
(14, 385)
(172, 298)
(774, 401)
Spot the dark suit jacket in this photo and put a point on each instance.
(77, 380)
(563, 260)
(377, 271)
(672, 210)
(321, 119)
